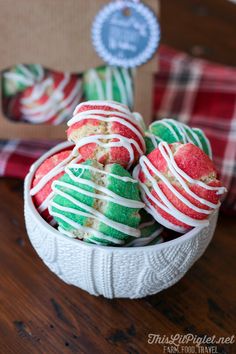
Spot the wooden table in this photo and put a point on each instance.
(40, 314)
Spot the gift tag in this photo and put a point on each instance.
(125, 33)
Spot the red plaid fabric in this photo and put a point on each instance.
(194, 91)
(17, 156)
(203, 95)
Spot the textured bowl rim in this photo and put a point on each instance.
(29, 201)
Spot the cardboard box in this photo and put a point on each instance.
(57, 34)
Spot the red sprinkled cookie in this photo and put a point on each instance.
(108, 132)
(179, 185)
(52, 100)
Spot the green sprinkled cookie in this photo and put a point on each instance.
(172, 131)
(109, 83)
(98, 204)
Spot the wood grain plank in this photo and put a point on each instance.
(41, 314)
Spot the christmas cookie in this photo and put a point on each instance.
(179, 185)
(20, 77)
(95, 203)
(52, 100)
(50, 170)
(108, 132)
(171, 131)
(109, 83)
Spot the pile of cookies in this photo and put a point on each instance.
(121, 184)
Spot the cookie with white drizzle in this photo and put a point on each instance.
(109, 83)
(19, 77)
(52, 100)
(172, 131)
(179, 185)
(98, 204)
(50, 170)
(151, 232)
(108, 132)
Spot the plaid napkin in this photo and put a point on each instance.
(194, 91)
(16, 156)
(203, 95)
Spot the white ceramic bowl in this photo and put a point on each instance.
(112, 271)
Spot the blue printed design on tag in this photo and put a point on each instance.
(125, 33)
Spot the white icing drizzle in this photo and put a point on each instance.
(105, 237)
(183, 132)
(165, 204)
(128, 86)
(108, 85)
(44, 205)
(111, 117)
(206, 141)
(143, 241)
(13, 76)
(67, 100)
(195, 136)
(98, 84)
(67, 111)
(37, 91)
(139, 120)
(26, 72)
(173, 132)
(120, 85)
(68, 104)
(147, 224)
(66, 232)
(101, 112)
(40, 71)
(166, 123)
(154, 139)
(83, 228)
(111, 104)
